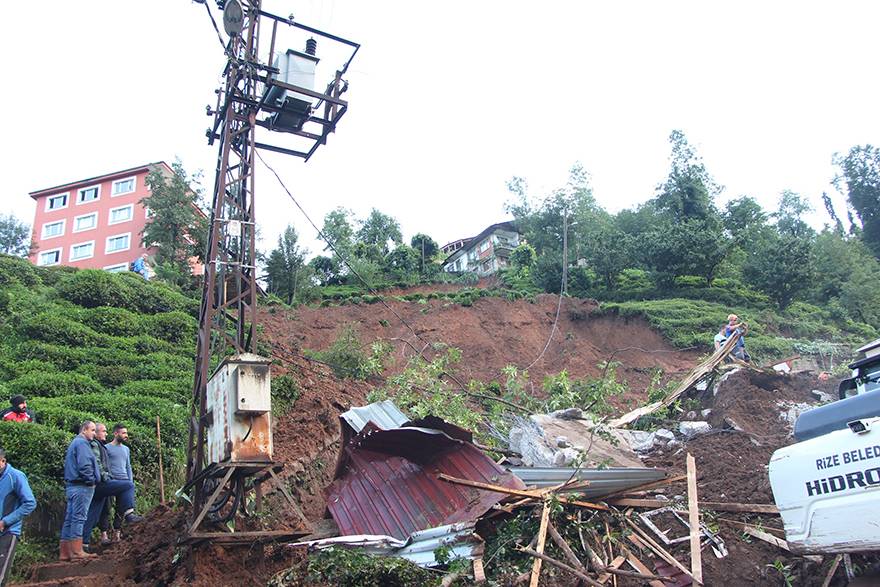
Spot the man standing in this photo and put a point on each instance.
(81, 474)
(18, 501)
(120, 469)
(18, 412)
(123, 490)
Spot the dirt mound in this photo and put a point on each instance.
(494, 333)
(732, 467)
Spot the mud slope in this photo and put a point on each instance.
(494, 333)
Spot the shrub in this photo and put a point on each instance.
(65, 358)
(17, 270)
(145, 344)
(165, 366)
(285, 392)
(177, 390)
(352, 568)
(347, 358)
(38, 451)
(174, 327)
(59, 329)
(91, 288)
(114, 321)
(54, 385)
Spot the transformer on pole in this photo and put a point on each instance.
(230, 437)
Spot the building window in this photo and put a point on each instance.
(120, 242)
(85, 222)
(118, 268)
(484, 246)
(82, 251)
(56, 202)
(52, 257)
(121, 214)
(89, 194)
(53, 229)
(123, 186)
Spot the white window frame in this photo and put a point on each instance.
(59, 250)
(72, 247)
(133, 179)
(76, 218)
(112, 268)
(66, 196)
(80, 191)
(484, 246)
(62, 222)
(130, 214)
(107, 250)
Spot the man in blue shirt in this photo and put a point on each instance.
(139, 266)
(17, 501)
(81, 474)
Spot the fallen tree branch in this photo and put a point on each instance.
(536, 494)
(561, 565)
(749, 508)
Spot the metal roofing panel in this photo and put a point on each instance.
(383, 414)
(418, 548)
(602, 481)
(388, 482)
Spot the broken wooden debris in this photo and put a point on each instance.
(832, 570)
(541, 557)
(694, 519)
(646, 487)
(747, 508)
(642, 539)
(542, 539)
(533, 493)
(768, 538)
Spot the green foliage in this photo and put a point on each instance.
(287, 274)
(56, 328)
(285, 392)
(173, 327)
(348, 358)
(17, 270)
(353, 568)
(14, 236)
(177, 390)
(38, 451)
(591, 395)
(37, 384)
(114, 321)
(91, 288)
(860, 177)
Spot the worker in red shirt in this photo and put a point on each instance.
(18, 412)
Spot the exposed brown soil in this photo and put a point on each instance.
(494, 333)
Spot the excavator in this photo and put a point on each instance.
(827, 484)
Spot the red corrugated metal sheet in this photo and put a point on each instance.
(387, 483)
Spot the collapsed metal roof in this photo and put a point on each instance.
(387, 482)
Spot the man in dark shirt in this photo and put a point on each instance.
(81, 474)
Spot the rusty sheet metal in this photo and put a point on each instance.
(387, 482)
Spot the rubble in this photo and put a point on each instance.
(789, 412)
(690, 429)
(821, 396)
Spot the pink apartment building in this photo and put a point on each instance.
(93, 223)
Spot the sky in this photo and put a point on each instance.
(449, 100)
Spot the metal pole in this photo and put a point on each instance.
(161, 471)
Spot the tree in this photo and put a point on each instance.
(14, 236)
(379, 229)
(781, 265)
(608, 251)
(790, 215)
(523, 257)
(403, 262)
(742, 216)
(326, 270)
(286, 271)
(338, 230)
(688, 191)
(690, 247)
(177, 227)
(860, 176)
(426, 247)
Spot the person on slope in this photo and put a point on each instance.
(17, 501)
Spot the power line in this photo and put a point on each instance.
(216, 28)
(338, 254)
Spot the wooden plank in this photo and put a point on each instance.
(479, 571)
(539, 556)
(542, 539)
(699, 372)
(749, 508)
(640, 567)
(832, 570)
(769, 538)
(743, 524)
(694, 521)
(570, 556)
(646, 486)
(536, 494)
(615, 564)
(642, 540)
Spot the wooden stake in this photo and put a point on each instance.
(832, 570)
(161, 472)
(570, 556)
(539, 556)
(615, 564)
(769, 538)
(542, 539)
(694, 520)
(640, 567)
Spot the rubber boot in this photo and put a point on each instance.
(64, 550)
(76, 550)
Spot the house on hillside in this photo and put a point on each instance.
(94, 223)
(483, 254)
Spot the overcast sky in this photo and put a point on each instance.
(450, 99)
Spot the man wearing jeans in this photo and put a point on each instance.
(17, 501)
(81, 474)
(122, 489)
(120, 468)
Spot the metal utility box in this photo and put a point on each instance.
(297, 69)
(239, 407)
